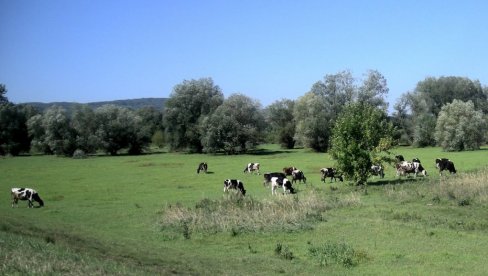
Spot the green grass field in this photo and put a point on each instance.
(152, 214)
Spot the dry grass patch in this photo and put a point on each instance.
(465, 188)
(235, 214)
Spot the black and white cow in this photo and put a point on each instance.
(252, 167)
(297, 175)
(406, 167)
(234, 184)
(289, 170)
(202, 167)
(378, 170)
(25, 194)
(330, 172)
(268, 176)
(445, 164)
(281, 182)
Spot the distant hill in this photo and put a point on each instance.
(157, 103)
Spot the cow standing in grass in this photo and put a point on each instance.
(25, 194)
(234, 184)
(330, 172)
(378, 170)
(202, 167)
(268, 176)
(252, 167)
(297, 175)
(406, 167)
(288, 170)
(281, 182)
(445, 164)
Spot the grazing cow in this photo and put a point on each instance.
(330, 172)
(252, 167)
(281, 182)
(445, 164)
(405, 167)
(202, 167)
(268, 176)
(288, 170)
(25, 194)
(298, 175)
(378, 170)
(234, 184)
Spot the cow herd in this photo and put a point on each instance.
(279, 179)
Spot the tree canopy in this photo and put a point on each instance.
(188, 104)
(361, 137)
(460, 127)
(235, 127)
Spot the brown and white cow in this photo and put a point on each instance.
(234, 184)
(289, 170)
(25, 194)
(252, 167)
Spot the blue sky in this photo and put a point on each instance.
(85, 51)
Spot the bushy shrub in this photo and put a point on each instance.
(335, 253)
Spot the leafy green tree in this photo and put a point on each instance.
(423, 134)
(313, 127)
(37, 134)
(426, 101)
(374, 90)
(14, 137)
(235, 127)
(279, 116)
(157, 139)
(51, 132)
(152, 118)
(362, 135)
(3, 91)
(443, 90)
(85, 125)
(460, 127)
(316, 112)
(402, 122)
(188, 104)
(120, 128)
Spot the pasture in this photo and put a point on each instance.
(153, 214)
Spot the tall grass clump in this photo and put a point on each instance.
(336, 253)
(465, 188)
(234, 213)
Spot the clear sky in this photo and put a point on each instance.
(85, 51)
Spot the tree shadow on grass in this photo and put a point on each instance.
(395, 181)
(267, 152)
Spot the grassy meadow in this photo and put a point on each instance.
(153, 214)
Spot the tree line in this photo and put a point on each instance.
(448, 111)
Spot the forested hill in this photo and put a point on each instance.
(157, 103)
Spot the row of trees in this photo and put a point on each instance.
(447, 111)
(108, 128)
(197, 118)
